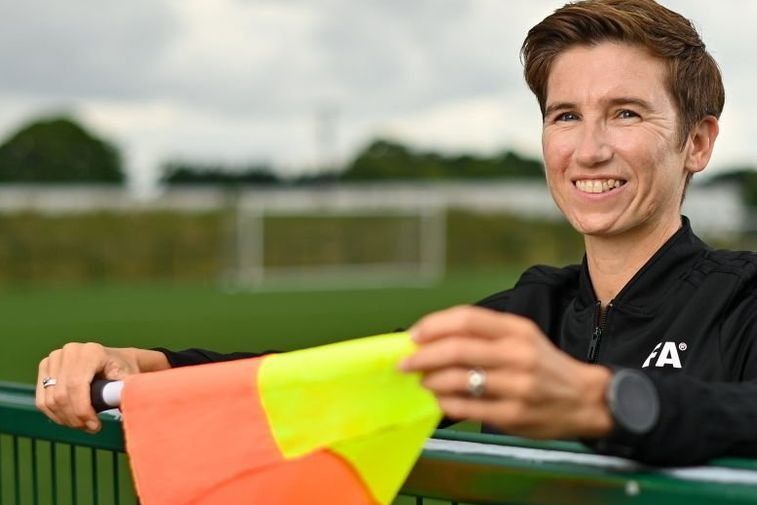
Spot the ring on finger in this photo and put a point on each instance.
(476, 382)
(48, 382)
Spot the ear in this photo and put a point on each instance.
(700, 143)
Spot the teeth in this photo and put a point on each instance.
(598, 185)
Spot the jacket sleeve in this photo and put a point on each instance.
(189, 357)
(698, 421)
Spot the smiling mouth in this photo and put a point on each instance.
(598, 185)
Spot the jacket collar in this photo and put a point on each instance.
(650, 284)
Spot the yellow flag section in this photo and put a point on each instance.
(349, 398)
(332, 424)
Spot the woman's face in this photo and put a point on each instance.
(610, 139)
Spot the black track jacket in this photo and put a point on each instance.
(687, 318)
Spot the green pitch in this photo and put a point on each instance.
(35, 320)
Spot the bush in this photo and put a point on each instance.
(58, 150)
(106, 246)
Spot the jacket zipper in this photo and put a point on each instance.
(596, 335)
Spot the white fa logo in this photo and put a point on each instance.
(667, 356)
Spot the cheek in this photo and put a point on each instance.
(557, 152)
(658, 170)
(643, 149)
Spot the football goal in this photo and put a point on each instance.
(329, 246)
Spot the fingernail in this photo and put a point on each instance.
(93, 427)
(414, 334)
(403, 365)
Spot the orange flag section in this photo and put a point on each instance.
(330, 425)
(320, 477)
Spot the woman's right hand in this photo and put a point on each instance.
(74, 366)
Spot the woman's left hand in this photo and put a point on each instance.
(531, 388)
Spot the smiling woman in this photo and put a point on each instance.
(631, 101)
(613, 121)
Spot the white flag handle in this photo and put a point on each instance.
(106, 394)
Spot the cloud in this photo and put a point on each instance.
(77, 49)
(485, 123)
(243, 80)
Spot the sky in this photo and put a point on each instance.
(301, 84)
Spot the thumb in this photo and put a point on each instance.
(114, 371)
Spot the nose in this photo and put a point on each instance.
(593, 148)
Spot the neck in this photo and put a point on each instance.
(614, 260)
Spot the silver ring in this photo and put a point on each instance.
(48, 382)
(476, 382)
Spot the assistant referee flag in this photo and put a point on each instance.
(327, 425)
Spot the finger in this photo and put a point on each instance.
(57, 396)
(79, 363)
(453, 352)
(40, 393)
(471, 352)
(462, 407)
(79, 409)
(452, 381)
(505, 414)
(498, 384)
(51, 396)
(468, 321)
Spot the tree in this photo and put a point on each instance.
(384, 159)
(179, 172)
(58, 150)
(744, 177)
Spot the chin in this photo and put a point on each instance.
(595, 227)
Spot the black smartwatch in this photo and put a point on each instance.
(633, 402)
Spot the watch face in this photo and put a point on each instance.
(633, 401)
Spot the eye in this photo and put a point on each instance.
(627, 114)
(566, 116)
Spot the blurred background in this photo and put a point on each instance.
(251, 174)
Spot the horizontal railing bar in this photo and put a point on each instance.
(454, 466)
(19, 416)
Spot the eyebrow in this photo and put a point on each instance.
(628, 100)
(622, 100)
(558, 106)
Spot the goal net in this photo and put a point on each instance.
(329, 247)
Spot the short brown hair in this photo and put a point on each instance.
(694, 81)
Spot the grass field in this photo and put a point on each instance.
(37, 319)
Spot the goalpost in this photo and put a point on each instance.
(330, 245)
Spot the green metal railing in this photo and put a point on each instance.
(42, 463)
